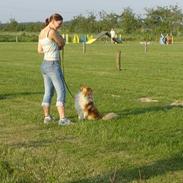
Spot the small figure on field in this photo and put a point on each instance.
(113, 35)
(169, 39)
(162, 39)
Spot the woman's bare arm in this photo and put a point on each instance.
(39, 48)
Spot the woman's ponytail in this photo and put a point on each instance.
(47, 21)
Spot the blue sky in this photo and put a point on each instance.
(38, 10)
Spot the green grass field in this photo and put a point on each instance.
(144, 145)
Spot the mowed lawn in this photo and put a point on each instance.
(144, 145)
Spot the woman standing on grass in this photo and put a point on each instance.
(50, 43)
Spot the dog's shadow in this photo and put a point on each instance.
(138, 111)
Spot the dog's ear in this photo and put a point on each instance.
(82, 87)
(90, 90)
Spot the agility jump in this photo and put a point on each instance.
(103, 34)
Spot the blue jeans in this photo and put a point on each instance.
(53, 79)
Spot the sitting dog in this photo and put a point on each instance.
(86, 108)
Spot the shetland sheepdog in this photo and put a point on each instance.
(86, 108)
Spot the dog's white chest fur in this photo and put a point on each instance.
(80, 102)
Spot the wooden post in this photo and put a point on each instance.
(145, 46)
(16, 39)
(84, 47)
(118, 60)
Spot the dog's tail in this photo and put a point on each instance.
(110, 116)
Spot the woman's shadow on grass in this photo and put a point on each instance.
(141, 173)
(13, 95)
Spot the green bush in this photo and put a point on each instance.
(23, 37)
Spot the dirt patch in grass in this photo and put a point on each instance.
(147, 99)
(177, 103)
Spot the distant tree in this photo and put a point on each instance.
(33, 26)
(77, 24)
(12, 25)
(107, 21)
(128, 21)
(83, 24)
(91, 23)
(164, 19)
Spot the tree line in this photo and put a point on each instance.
(168, 19)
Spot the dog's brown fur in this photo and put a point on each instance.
(92, 112)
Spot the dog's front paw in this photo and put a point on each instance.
(80, 118)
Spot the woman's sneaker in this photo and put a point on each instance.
(64, 122)
(48, 119)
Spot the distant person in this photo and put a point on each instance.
(166, 37)
(170, 39)
(50, 43)
(113, 35)
(162, 39)
(171, 36)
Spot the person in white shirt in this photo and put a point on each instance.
(113, 35)
(50, 43)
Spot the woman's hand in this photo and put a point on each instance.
(55, 36)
